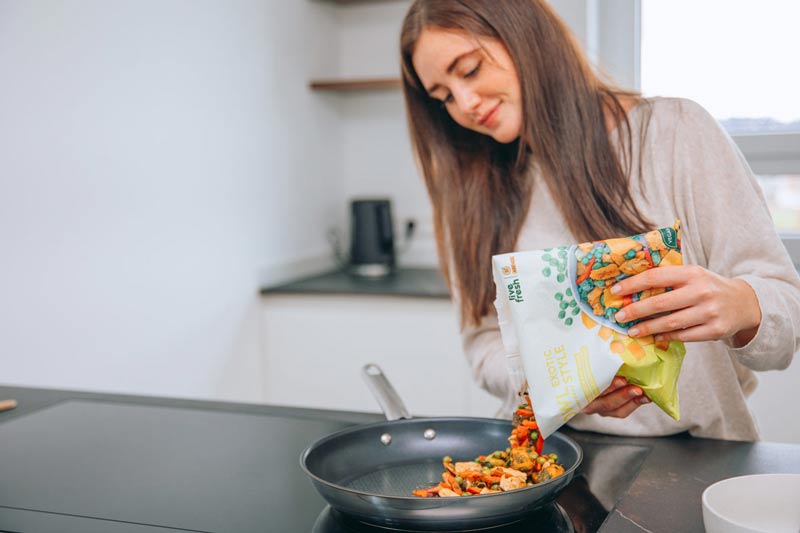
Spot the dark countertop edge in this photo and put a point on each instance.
(31, 399)
(429, 284)
(280, 291)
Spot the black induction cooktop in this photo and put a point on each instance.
(85, 465)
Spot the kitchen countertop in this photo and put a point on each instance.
(38, 494)
(414, 282)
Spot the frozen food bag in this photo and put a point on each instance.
(556, 313)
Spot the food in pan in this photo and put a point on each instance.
(557, 314)
(520, 465)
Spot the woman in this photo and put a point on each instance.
(523, 147)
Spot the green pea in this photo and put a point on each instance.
(563, 305)
(559, 296)
(560, 277)
(546, 271)
(547, 257)
(568, 292)
(573, 303)
(575, 311)
(656, 257)
(630, 254)
(562, 314)
(568, 321)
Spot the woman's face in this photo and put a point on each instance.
(475, 80)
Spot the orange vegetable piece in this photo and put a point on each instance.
(604, 333)
(636, 350)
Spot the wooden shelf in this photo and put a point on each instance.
(355, 84)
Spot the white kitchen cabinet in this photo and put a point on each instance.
(314, 346)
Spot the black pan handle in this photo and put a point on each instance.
(383, 391)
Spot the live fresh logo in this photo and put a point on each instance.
(515, 291)
(670, 237)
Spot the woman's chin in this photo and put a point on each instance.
(505, 137)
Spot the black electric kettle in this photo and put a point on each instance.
(372, 252)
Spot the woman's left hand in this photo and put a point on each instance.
(701, 306)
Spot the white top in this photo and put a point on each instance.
(692, 171)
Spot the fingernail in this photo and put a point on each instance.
(643, 400)
(633, 332)
(616, 289)
(635, 392)
(620, 317)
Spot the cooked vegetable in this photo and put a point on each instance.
(518, 466)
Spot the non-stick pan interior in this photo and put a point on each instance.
(357, 459)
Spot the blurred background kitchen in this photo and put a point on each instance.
(176, 178)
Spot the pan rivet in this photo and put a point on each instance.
(429, 434)
(386, 439)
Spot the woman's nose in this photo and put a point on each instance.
(469, 101)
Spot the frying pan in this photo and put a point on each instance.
(369, 471)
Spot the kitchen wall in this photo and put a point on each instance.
(158, 161)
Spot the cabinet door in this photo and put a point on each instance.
(315, 346)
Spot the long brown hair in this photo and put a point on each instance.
(481, 189)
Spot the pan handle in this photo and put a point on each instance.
(383, 391)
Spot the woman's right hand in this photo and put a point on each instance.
(618, 400)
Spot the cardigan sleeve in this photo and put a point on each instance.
(737, 238)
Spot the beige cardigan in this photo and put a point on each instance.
(691, 170)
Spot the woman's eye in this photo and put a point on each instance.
(446, 100)
(473, 71)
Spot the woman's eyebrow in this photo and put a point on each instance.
(450, 69)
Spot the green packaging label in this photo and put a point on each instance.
(670, 237)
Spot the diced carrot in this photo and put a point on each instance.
(530, 424)
(583, 277)
(473, 490)
(422, 493)
(635, 349)
(524, 412)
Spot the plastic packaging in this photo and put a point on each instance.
(557, 314)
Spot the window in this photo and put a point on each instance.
(738, 61)
(783, 198)
(735, 59)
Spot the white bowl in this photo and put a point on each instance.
(762, 503)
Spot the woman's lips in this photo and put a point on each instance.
(488, 119)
